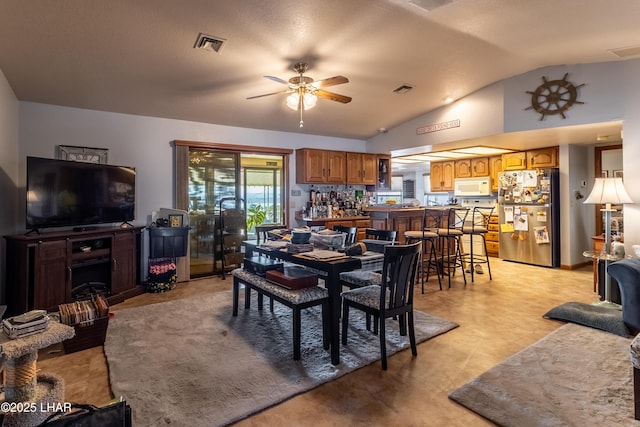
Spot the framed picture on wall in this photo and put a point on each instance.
(617, 174)
(82, 154)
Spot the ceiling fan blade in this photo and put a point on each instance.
(331, 81)
(275, 79)
(269, 94)
(332, 96)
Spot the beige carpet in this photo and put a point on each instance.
(190, 363)
(575, 376)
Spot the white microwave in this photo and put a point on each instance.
(477, 186)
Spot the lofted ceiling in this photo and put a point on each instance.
(138, 56)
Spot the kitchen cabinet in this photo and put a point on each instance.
(495, 167)
(531, 159)
(543, 158)
(467, 168)
(398, 219)
(514, 161)
(463, 168)
(362, 168)
(315, 166)
(480, 166)
(442, 175)
(492, 238)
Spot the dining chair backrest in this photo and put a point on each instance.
(400, 268)
(352, 233)
(262, 230)
(377, 234)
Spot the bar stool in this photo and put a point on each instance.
(429, 237)
(478, 227)
(450, 239)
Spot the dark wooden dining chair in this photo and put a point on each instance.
(394, 298)
(262, 231)
(352, 233)
(378, 234)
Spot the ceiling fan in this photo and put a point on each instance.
(304, 91)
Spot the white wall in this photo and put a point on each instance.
(575, 167)
(8, 170)
(630, 80)
(145, 143)
(480, 114)
(611, 91)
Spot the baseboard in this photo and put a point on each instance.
(576, 266)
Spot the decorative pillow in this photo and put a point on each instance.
(593, 316)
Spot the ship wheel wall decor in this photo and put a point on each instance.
(554, 97)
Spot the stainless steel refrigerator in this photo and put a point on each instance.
(529, 216)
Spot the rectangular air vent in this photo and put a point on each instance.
(402, 89)
(210, 43)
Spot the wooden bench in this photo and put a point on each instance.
(297, 300)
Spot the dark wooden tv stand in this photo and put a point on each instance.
(44, 270)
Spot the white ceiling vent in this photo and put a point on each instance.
(626, 52)
(210, 43)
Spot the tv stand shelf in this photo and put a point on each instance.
(46, 268)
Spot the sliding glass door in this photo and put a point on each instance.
(214, 175)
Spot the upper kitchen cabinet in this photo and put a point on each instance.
(540, 158)
(495, 167)
(442, 175)
(514, 161)
(362, 168)
(467, 168)
(543, 158)
(320, 166)
(463, 168)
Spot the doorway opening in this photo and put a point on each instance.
(255, 180)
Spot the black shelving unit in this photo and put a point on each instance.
(233, 224)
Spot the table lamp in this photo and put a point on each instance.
(608, 191)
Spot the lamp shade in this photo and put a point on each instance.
(608, 190)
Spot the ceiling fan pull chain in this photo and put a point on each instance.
(301, 107)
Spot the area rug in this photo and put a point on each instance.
(189, 362)
(594, 316)
(575, 376)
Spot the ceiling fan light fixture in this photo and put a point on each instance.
(293, 101)
(309, 100)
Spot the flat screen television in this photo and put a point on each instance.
(63, 193)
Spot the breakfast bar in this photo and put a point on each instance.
(397, 218)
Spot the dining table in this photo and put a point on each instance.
(329, 268)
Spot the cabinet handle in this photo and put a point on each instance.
(114, 263)
(70, 271)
